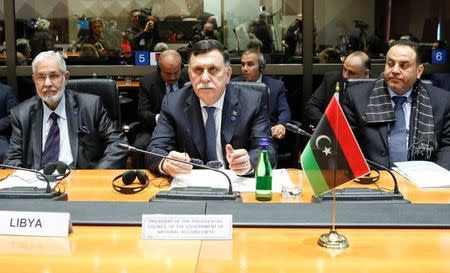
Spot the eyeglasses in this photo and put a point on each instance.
(211, 164)
(53, 77)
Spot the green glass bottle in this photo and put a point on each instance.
(263, 173)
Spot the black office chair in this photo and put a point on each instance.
(106, 89)
(257, 86)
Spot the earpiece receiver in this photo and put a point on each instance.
(128, 179)
(167, 52)
(158, 66)
(262, 62)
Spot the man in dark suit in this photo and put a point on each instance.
(356, 65)
(211, 120)
(169, 77)
(8, 100)
(397, 117)
(60, 124)
(252, 68)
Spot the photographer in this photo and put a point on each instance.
(293, 41)
(208, 32)
(143, 33)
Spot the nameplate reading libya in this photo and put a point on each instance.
(32, 223)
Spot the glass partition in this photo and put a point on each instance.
(2, 35)
(341, 25)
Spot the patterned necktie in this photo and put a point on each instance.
(210, 135)
(397, 143)
(51, 149)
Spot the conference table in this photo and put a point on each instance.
(120, 248)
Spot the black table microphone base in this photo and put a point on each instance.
(32, 193)
(361, 195)
(196, 194)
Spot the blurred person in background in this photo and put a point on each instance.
(41, 39)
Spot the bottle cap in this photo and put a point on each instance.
(263, 141)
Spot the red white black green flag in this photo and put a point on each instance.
(332, 155)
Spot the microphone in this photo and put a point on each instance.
(237, 40)
(47, 176)
(358, 194)
(193, 193)
(297, 130)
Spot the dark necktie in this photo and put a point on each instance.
(51, 149)
(398, 137)
(171, 88)
(210, 135)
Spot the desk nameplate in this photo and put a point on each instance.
(28, 223)
(187, 227)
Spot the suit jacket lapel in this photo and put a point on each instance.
(72, 113)
(162, 88)
(36, 132)
(383, 130)
(194, 114)
(230, 115)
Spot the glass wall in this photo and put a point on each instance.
(344, 25)
(292, 33)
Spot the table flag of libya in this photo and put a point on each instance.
(332, 155)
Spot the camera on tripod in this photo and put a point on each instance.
(144, 16)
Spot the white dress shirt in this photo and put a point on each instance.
(65, 152)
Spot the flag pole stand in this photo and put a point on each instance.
(332, 239)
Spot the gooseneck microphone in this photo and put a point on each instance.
(297, 130)
(360, 194)
(229, 195)
(47, 190)
(47, 176)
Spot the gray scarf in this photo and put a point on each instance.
(380, 110)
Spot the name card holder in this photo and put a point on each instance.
(32, 223)
(187, 227)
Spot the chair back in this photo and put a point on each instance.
(257, 86)
(106, 89)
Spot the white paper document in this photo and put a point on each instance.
(207, 178)
(424, 174)
(25, 179)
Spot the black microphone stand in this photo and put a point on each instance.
(190, 193)
(357, 194)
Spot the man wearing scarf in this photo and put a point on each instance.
(397, 117)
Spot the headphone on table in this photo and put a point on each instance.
(128, 179)
(61, 168)
(369, 178)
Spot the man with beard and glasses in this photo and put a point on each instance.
(398, 117)
(211, 120)
(62, 125)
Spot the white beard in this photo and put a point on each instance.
(55, 99)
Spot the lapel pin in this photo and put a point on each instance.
(234, 116)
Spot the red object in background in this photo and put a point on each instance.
(126, 46)
(173, 37)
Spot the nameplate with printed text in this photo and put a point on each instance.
(28, 223)
(187, 227)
